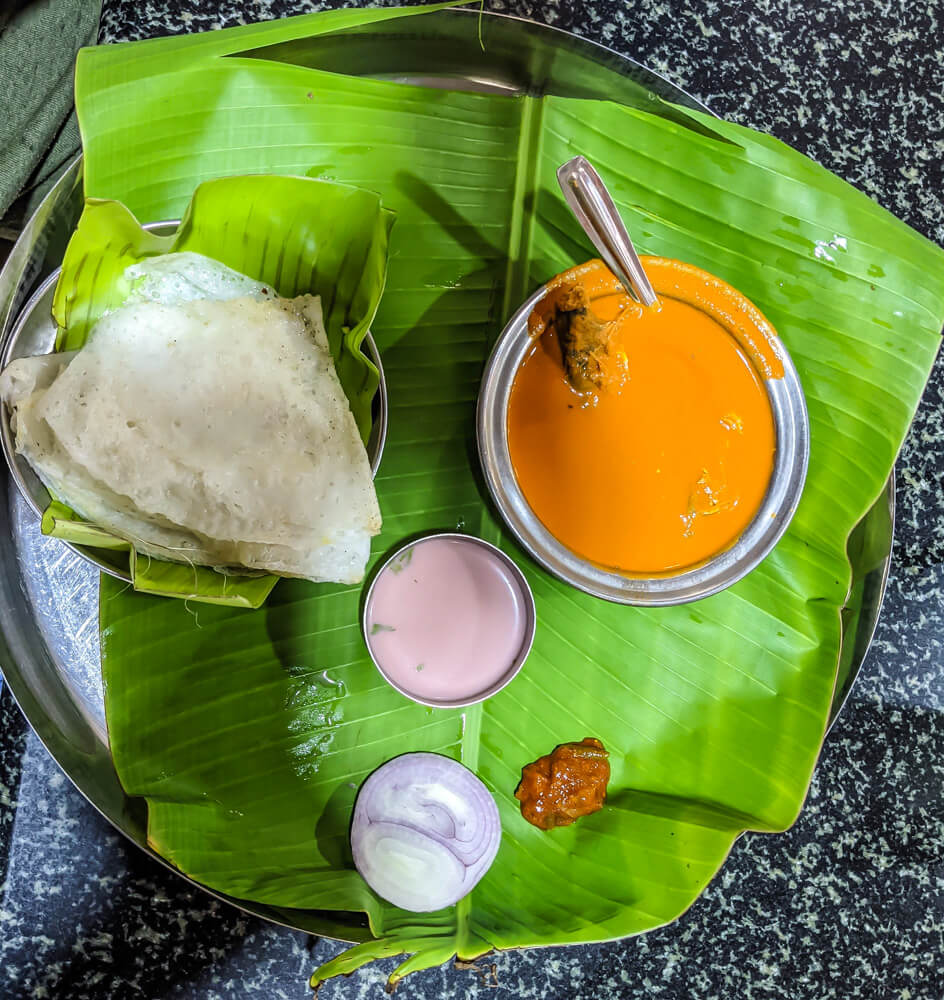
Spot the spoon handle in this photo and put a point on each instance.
(591, 203)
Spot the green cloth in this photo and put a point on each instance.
(38, 128)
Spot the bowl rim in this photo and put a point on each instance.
(766, 528)
(34, 491)
(530, 620)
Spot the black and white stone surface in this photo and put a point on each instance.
(850, 902)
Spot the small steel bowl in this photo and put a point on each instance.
(526, 643)
(791, 424)
(34, 333)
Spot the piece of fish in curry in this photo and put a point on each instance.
(584, 339)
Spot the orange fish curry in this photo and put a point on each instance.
(643, 438)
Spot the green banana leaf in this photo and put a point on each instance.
(153, 576)
(294, 233)
(248, 733)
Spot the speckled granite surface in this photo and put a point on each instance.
(850, 902)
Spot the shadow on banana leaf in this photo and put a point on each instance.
(459, 49)
(687, 811)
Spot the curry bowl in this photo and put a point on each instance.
(679, 586)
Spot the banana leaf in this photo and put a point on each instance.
(294, 233)
(248, 733)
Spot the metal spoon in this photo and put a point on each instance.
(593, 206)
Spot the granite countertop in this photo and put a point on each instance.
(847, 904)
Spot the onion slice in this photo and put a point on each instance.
(425, 830)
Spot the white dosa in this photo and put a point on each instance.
(206, 432)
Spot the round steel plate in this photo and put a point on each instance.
(49, 645)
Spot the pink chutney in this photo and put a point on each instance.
(447, 619)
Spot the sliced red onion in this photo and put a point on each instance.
(425, 830)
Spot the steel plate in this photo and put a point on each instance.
(49, 643)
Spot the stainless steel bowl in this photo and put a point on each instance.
(513, 667)
(791, 424)
(34, 332)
